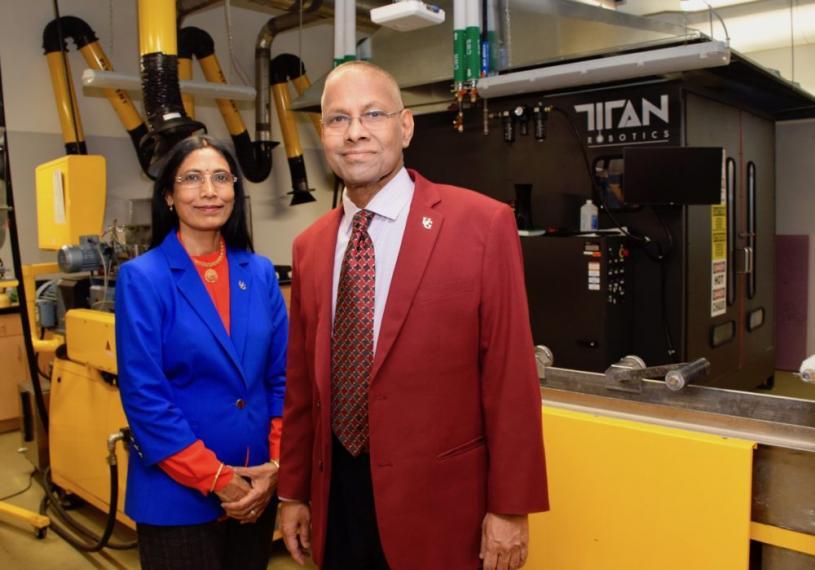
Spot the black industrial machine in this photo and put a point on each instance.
(682, 169)
(586, 302)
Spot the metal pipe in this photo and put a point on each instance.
(459, 25)
(339, 32)
(157, 27)
(472, 40)
(349, 31)
(263, 57)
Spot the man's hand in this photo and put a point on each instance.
(295, 525)
(262, 480)
(504, 541)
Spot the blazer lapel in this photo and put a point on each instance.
(323, 274)
(421, 232)
(192, 289)
(240, 293)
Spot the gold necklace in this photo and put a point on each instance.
(210, 275)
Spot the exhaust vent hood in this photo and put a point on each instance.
(530, 33)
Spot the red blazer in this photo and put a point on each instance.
(454, 400)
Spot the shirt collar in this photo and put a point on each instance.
(388, 202)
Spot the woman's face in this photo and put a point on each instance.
(203, 191)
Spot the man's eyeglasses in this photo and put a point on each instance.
(372, 119)
(220, 179)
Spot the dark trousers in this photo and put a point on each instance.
(226, 545)
(352, 540)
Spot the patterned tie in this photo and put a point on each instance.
(352, 341)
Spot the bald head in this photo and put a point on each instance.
(353, 69)
(365, 128)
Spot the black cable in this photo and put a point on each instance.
(44, 375)
(17, 264)
(595, 189)
(661, 254)
(68, 79)
(21, 491)
(673, 355)
(79, 536)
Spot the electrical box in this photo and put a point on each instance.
(70, 199)
(580, 302)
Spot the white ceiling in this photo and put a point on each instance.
(752, 25)
(646, 7)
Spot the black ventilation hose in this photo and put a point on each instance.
(196, 42)
(285, 67)
(143, 152)
(167, 120)
(255, 158)
(72, 27)
(80, 537)
(301, 193)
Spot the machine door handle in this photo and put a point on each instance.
(747, 264)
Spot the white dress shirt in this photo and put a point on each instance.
(390, 207)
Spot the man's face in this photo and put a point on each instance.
(367, 149)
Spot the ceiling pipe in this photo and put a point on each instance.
(349, 30)
(263, 56)
(339, 33)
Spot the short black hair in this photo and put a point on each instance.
(235, 231)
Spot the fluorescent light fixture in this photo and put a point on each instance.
(603, 69)
(114, 80)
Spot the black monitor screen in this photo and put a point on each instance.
(672, 175)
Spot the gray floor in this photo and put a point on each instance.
(21, 550)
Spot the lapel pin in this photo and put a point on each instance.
(242, 285)
(427, 222)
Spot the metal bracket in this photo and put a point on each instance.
(627, 374)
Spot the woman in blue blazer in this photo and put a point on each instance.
(201, 337)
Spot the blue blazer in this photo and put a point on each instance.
(183, 378)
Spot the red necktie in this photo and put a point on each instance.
(352, 341)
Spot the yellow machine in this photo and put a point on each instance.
(71, 302)
(85, 409)
(70, 199)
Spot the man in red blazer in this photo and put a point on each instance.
(451, 460)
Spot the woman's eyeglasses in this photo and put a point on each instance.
(218, 179)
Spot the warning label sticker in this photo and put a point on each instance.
(718, 253)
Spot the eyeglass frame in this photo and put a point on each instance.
(339, 128)
(178, 179)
